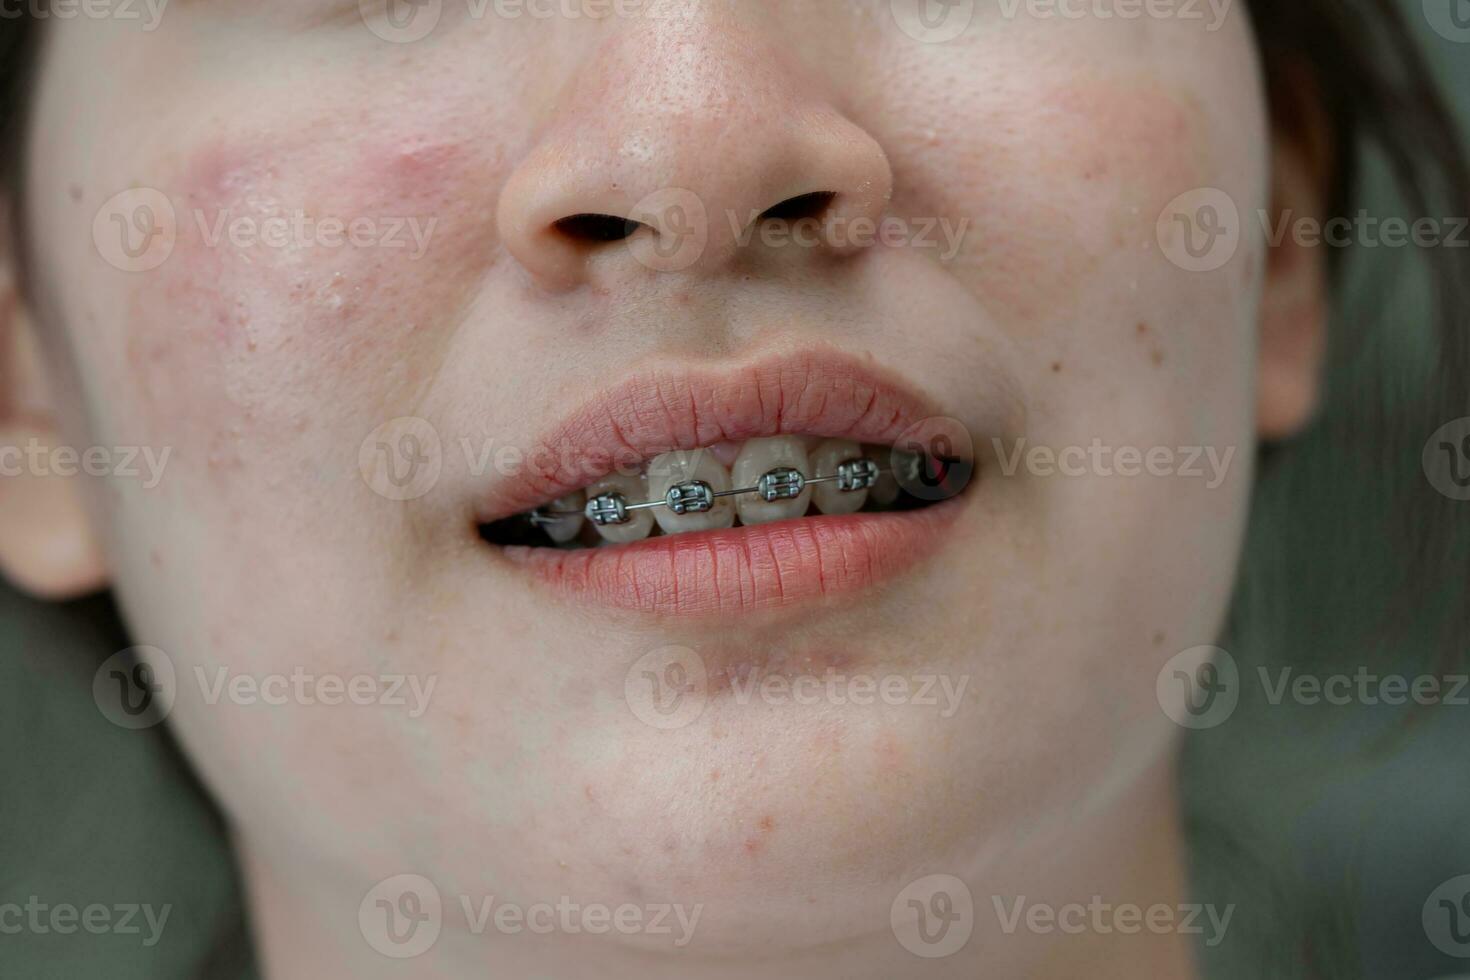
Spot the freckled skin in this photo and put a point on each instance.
(265, 370)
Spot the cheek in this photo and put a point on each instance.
(310, 278)
(1056, 182)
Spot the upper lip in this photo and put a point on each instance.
(814, 392)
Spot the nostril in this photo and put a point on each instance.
(812, 205)
(596, 229)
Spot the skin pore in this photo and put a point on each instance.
(793, 827)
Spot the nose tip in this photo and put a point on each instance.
(676, 172)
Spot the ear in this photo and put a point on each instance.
(1294, 300)
(47, 546)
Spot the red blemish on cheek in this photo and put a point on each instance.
(889, 752)
(220, 172)
(419, 157)
(764, 828)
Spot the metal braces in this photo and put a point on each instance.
(697, 496)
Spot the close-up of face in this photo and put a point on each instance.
(890, 323)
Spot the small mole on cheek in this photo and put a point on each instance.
(1159, 638)
(1156, 353)
(1056, 367)
(75, 192)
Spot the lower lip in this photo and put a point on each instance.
(745, 569)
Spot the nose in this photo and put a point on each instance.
(679, 145)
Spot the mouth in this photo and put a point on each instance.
(782, 482)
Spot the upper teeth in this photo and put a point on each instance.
(772, 479)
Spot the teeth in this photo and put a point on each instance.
(680, 491)
(885, 491)
(634, 490)
(758, 457)
(677, 468)
(565, 529)
(825, 459)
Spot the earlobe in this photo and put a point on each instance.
(47, 544)
(1294, 301)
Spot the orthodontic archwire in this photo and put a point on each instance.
(697, 496)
